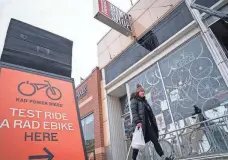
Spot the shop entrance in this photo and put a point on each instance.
(126, 121)
(220, 29)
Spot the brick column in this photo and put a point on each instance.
(98, 128)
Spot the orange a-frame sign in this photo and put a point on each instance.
(38, 118)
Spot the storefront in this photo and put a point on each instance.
(89, 102)
(178, 69)
(185, 77)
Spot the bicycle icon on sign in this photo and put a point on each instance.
(29, 89)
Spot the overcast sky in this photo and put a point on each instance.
(72, 19)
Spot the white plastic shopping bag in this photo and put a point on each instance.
(138, 141)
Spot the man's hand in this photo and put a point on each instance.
(139, 124)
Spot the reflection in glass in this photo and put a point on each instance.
(186, 77)
(88, 132)
(155, 94)
(126, 116)
(191, 77)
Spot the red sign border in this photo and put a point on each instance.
(54, 76)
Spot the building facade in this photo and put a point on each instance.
(179, 55)
(89, 102)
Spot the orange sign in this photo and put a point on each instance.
(38, 118)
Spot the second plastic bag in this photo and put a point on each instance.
(138, 141)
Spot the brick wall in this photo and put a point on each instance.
(86, 109)
(91, 103)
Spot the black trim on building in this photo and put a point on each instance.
(206, 3)
(166, 28)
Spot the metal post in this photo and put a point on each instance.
(211, 43)
(170, 111)
(209, 11)
(128, 98)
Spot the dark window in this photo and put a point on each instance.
(149, 41)
(206, 3)
(220, 29)
(169, 26)
(88, 132)
(126, 116)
